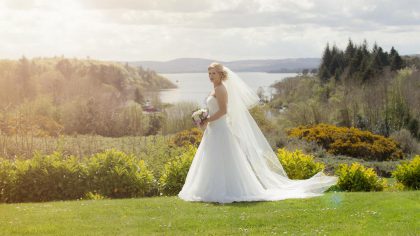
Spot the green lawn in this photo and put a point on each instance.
(340, 213)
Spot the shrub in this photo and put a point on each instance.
(298, 165)
(349, 141)
(186, 137)
(156, 153)
(358, 178)
(408, 173)
(407, 142)
(7, 179)
(46, 178)
(176, 170)
(115, 174)
(93, 196)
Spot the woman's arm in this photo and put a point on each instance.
(221, 95)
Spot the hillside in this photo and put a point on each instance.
(66, 79)
(46, 96)
(191, 65)
(40, 76)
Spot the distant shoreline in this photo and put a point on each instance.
(198, 72)
(198, 65)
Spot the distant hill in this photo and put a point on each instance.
(52, 96)
(190, 65)
(66, 79)
(412, 60)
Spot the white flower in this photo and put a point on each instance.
(199, 115)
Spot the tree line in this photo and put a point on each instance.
(357, 62)
(371, 90)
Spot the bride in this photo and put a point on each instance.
(234, 162)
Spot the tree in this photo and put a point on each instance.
(383, 56)
(337, 62)
(26, 87)
(349, 53)
(324, 72)
(65, 67)
(90, 116)
(138, 97)
(413, 127)
(395, 60)
(366, 71)
(376, 64)
(155, 124)
(365, 49)
(357, 62)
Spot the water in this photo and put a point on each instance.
(195, 87)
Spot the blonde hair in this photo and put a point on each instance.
(219, 68)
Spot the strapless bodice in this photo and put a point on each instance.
(213, 107)
(212, 104)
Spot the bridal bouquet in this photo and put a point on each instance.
(199, 115)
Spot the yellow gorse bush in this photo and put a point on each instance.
(298, 165)
(356, 177)
(186, 137)
(349, 141)
(408, 173)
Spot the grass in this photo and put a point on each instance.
(334, 213)
(78, 145)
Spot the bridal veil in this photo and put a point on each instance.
(260, 155)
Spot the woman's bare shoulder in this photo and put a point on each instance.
(221, 89)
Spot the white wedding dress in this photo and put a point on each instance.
(221, 171)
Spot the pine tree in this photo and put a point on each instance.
(337, 62)
(395, 60)
(376, 64)
(366, 69)
(365, 49)
(383, 57)
(358, 60)
(349, 53)
(324, 70)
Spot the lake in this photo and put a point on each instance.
(195, 87)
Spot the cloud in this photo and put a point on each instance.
(251, 13)
(19, 4)
(147, 5)
(222, 30)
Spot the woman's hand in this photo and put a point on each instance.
(204, 123)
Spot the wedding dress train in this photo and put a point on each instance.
(222, 172)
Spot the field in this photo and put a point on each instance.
(334, 213)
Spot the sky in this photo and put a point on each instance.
(227, 30)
